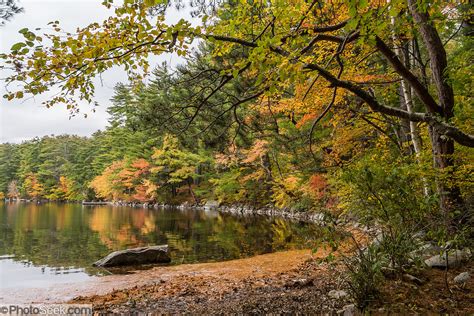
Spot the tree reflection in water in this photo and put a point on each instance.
(74, 236)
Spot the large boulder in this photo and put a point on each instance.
(135, 256)
(453, 259)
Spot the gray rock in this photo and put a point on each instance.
(425, 251)
(453, 259)
(378, 239)
(347, 310)
(337, 294)
(411, 278)
(462, 278)
(429, 249)
(211, 205)
(419, 235)
(135, 256)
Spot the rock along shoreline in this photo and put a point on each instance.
(236, 209)
(314, 217)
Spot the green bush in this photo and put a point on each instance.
(389, 195)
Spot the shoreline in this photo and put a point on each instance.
(210, 287)
(238, 269)
(240, 210)
(313, 217)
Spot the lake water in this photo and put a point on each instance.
(47, 244)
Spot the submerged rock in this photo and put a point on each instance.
(135, 256)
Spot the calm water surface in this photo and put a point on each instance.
(47, 244)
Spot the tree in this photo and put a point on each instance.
(33, 188)
(174, 166)
(64, 190)
(108, 185)
(9, 161)
(13, 192)
(127, 181)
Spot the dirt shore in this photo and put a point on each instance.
(288, 281)
(278, 283)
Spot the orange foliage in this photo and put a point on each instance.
(33, 187)
(318, 186)
(259, 148)
(119, 181)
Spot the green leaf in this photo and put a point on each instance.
(235, 73)
(17, 46)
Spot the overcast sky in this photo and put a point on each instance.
(21, 120)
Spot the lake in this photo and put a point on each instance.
(46, 244)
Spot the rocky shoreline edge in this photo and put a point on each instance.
(239, 209)
(309, 216)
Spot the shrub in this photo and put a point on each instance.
(365, 275)
(388, 195)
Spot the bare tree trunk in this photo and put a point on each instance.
(407, 99)
(408, 96)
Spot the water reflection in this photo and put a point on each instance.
(69, 237)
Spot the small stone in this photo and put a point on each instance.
(425, 251)
(412, 278)
(337, 294)
(211, 205)
(378, 239)
(347, 310)
(462, 278)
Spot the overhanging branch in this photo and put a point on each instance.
(429, 118)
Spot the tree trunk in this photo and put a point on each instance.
(402, 50)
(190, 182)
(449, 193)
(442, 148)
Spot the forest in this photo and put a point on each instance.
(358, 109)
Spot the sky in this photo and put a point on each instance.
(28, 118)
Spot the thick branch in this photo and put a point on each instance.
(420, 90)
(442, 127)
(329, 28)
